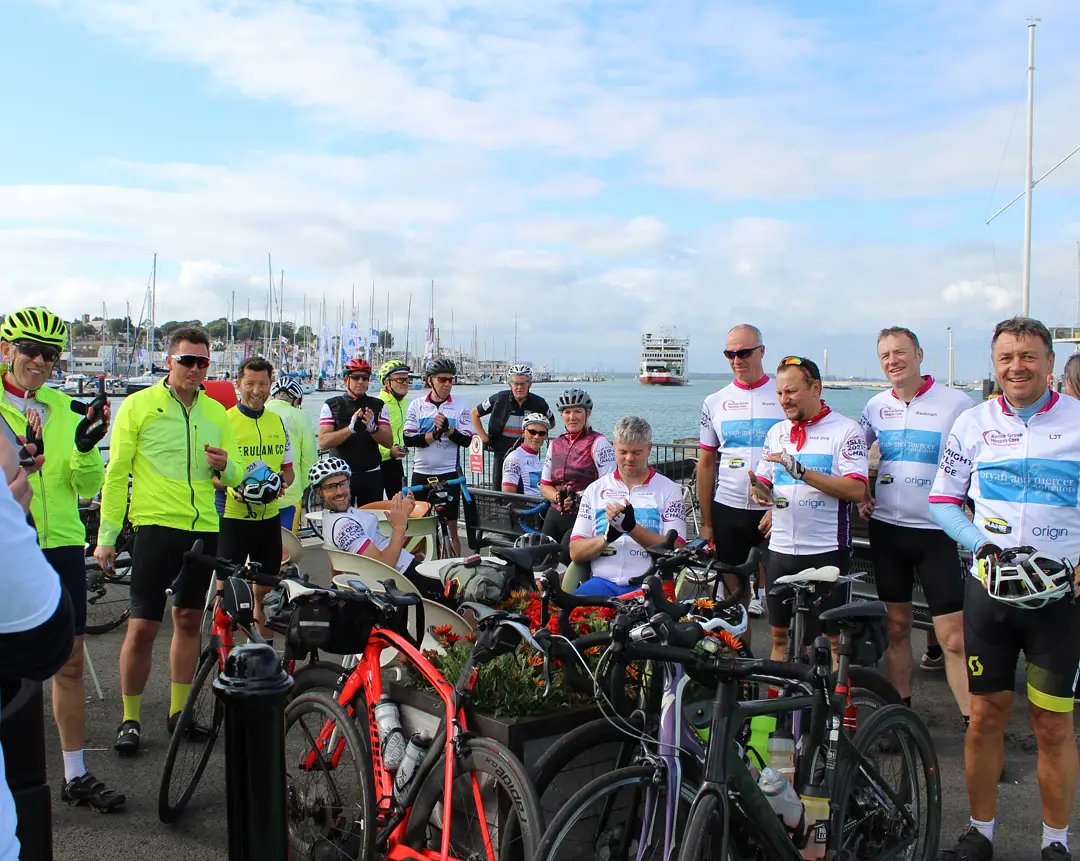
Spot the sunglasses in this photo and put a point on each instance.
(334, 485)
(32, 351)
(741, 354)
(188, 360)
(443, 380)
(399, 379)
(805, 364)
(359, 376)
(540, 433)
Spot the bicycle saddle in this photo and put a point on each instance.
(527, 558)
(825, 574)
(856, 611)
(294, 589)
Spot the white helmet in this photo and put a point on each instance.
(1023, 577)
(535, 419)
(260, 485)
(521, 370)
(290, 385)
(328, 466)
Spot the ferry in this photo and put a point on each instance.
(663, 359)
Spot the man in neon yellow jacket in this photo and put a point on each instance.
(395, 381)
(286, 397)
(171, 439)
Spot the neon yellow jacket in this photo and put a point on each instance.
(305, 447)
(257, 438)
(67, 474)
(159, 443)
(396, 410)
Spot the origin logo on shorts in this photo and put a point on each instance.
(997, 526)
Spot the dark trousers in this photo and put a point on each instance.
(393, 476)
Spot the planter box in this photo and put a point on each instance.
(527, 737)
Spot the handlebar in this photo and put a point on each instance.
(252, 571)
(439, 485)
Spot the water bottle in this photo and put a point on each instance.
(816, 804)
(415, 752)
(391, 735)
(782, 797)
(761, 730)
(782, 756)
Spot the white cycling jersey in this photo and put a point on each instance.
(658, 506)
(910, 437)
(805, 520)
(440, 456)
(734, 422)
(354, 531)
(1023, 479)
(522, 468)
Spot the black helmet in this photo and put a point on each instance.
(573, 398)
(440, 365)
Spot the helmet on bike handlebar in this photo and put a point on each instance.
(573, 398)
(328, 466)
(260, 485)
(1025, 578)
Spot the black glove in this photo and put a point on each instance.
(621, 524)
(89, 432)
(988, 549)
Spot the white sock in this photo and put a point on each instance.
(74, 765)
(1055, 835)
(986, 829)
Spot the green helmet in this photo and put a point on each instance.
(34, 324)
(393, 366)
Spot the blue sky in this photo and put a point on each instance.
(599, 169)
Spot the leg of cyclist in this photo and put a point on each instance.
(894, 578)
(188, 602)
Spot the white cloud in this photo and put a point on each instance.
(991, 296)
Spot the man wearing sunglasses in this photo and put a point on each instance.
(521, 468)
(508, 409)
(31, 340)
(395, 388)
(171, 440)
(734, 422)
(352, 426)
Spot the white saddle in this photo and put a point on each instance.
(825, 574)
(294, 589)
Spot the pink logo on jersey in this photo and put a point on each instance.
(890, 413)
(734, 405)
(1000, 438)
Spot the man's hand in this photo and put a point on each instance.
(765, 524)
(218, 458)
(706, 531)
(33, 419)
(484, 438)
(441, 424)
(759, 491)
(986, 550)
(105, 554)
(398, 451)
(867, 506)
(31, 449)
(620, 517)
(793, 468)
(399, 511)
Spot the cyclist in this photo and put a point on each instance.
(521, 468)
(734, 422)
(250, 527)
(395, 386)
(286, 399)
(352, 426)
(31, 340)
(813, 467)
(574, 460)
(170, 439)
(508, 409)
(1071, 376)
(910, 423)
(1017, 458)
(436, 425)
(624, 512)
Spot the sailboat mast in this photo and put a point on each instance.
(153, 314)
(408, 326)
(1028, 185)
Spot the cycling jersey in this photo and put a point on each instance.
(578, 460)
(658, 506)
(359, 451)
(910, 437)
(805, 520)
(353, 531)
(505, 425)
(734, 421)
(161, 444)
(1023, 479)
(259, 436)
(67, 472)
(521, 467)
(305, 448)
(395, 413)
(440, 456)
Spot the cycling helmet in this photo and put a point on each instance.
(535, 419)
(260, 485)
(328, 466)
(535, 539)
(573, 398)
(393, 367)
(358, 365)
(1025, 578)
(289, 385)
(440, 365)
(521, 370)
(34, 324)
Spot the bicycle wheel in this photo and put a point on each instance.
(704, 831)
(619, 815)
(192, 742)
(319, 676)
(329, 786)
(870, 691)
(888, 791)
(108, 597)
(495, 810)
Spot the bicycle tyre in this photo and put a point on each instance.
(320, 676)
(320, 815)
(108, 598)
(700, 841)
(177, 785)
(498, 766)
(894, 735)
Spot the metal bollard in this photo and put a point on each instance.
(252, 689)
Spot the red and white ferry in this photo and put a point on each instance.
(663, 359)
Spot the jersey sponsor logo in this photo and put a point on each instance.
(952, 458)
(736, 463)
(1053, 533)
(781, 502)
(347, 532)
(812, 503)
(975, 666)
(730, 405)
(259, 451)
(890, 412)
(1032, 480)
(855, 446)
(612, 493)
(675, 510)
(917, 481)
(745, 433)
(1001, 438)
(885, 479)
(997, 526)
(606, 456)
(911, 446)
(585, 509)
(819, 462)
(706, 419)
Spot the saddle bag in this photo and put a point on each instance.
(238, 601)
(329, 624)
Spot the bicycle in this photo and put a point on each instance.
(108, 593)
(461, 783)
(439, 495)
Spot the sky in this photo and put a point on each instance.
(592, 170)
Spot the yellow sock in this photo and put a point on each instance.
(178, 696)
(132, 706)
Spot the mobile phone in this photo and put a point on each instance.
(25, 458)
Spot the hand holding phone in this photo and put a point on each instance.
(759, 490)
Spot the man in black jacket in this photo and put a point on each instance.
(508, 409)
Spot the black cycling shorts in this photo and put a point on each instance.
(258, 539)
(70, 565)
(157, 554)
(366, 486)
(735, 533)
(782, 564)
(453, 492)
(996, 633)
(899, 553)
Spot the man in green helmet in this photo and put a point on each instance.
(395, 386)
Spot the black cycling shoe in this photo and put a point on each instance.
(93, 793)
(971, 846)
(1055, 852)
(127, 738)
(194, 732)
